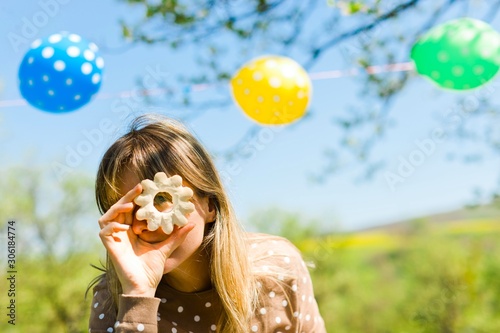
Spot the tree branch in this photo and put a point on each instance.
(364, 28)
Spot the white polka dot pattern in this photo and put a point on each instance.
(264, 87)
(286, 302)
(58, 68)
(291, 308)
(450, 61)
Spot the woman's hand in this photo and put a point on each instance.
(138, 264)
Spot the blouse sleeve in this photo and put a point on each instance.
(287, 299)
(306, 317)
(135, 314)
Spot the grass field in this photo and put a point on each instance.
(426, 277)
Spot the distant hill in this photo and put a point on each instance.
(490, 212)
(474, 221)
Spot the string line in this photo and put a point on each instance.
(315, 76)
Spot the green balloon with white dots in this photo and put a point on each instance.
(460, 54)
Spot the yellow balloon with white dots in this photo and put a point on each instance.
(272, 90)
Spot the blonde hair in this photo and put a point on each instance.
(156, 143)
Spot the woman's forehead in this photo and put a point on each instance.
(130, 179)
(127, 181)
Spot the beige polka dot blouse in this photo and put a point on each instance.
(287, 302)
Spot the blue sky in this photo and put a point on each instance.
(277, 175)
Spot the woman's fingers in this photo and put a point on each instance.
(123, 206)
(176, 238)
(135, 191)
(111, 228)
(114, 212)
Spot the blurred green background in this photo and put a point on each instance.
(435, 274)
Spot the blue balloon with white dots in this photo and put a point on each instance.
(60, 73)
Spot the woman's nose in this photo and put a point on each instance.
(138, 226)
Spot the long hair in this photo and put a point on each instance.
(154, 144)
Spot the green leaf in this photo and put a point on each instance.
(354, 7)
(127, 33)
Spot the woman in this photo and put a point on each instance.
(208, 276)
